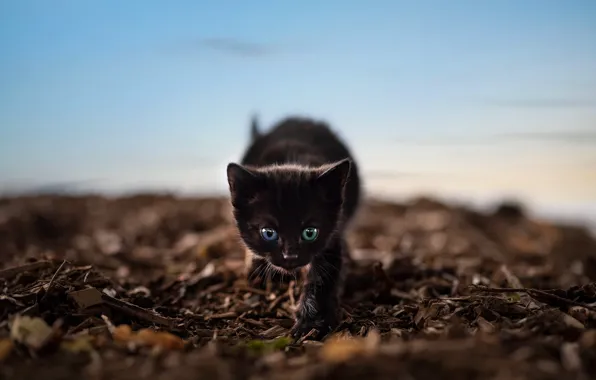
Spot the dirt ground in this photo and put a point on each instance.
(152, 287)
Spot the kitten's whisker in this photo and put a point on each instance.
(332, 265)
(324, 273)
(259, 270)
(268, 272)
(254, 272)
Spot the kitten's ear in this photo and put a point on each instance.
(242, 181)
(255, 132)
(333, 180)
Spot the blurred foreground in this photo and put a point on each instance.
(424, 299)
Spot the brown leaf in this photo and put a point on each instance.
(572, 322)
(570, 356)
(122, 333)
(160, 338)
(148, 337)
(86, 298)
(588, 339)
(340, 349)
(6, 347)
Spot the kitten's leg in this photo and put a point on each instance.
(319, 306)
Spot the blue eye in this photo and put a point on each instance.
(269, 234)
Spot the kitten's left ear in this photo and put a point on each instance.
(334, 179)
(241, 180)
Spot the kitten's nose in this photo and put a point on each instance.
(289, 256)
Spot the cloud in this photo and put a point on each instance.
(545, 103)
(561, 136)
(236, 47)
(381, 174)
(574, 137)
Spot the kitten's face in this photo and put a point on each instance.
(287, 214)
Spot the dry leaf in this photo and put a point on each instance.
(32, 332)
(570, 357)
(148, 337)
(160, 338)
(86, 298)
(80, 344)
(572, 322)
(588, 339)
(6, 346)
(485, 326)
(122, 333)
(339, 349)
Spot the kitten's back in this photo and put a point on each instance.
(306, 142)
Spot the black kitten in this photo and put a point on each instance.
(295, 190)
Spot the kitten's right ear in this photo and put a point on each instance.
(241, 181)
(333, 180)
(255, 133)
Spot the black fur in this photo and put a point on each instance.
(298, 175)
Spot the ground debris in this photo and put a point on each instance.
(31, 332)
(339, 349)
(153, 287)
(148, 337)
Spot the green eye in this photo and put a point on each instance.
(310, 234)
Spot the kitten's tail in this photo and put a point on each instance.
(255, 133)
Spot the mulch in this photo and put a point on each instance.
(153, 287)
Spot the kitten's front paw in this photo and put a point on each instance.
(303, 326)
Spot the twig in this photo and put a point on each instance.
(252, 290)
(227, 315)
(253, 322)
(136, 311)
(461, 298)
(9, 273)
(86, 276)
(535, 293)
(276, 302)
(475, 288)
(81, 326)
(51, 283)
(514, 282)
(305, 337)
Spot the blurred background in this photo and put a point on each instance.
(474, 101)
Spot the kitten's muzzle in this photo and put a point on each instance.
(291, 261)
(289, 256)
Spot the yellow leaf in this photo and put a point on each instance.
(32, 332)
(159, 338)
(80, 344)
(122, 333)
(337, 349)
(148, 337)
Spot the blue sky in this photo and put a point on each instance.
(469, 98)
